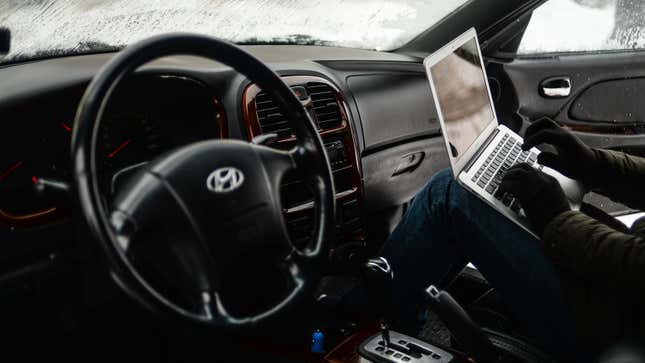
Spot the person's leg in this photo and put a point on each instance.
(445, 227)
(421, 252)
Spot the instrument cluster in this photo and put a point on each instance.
(147, 116)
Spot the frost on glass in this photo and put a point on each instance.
(585, 25)
(50, 27)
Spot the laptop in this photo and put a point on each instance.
(479, 148)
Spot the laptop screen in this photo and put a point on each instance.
(462, 92)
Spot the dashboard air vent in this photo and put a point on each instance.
(270, 118)
(326, 106)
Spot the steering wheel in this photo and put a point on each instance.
(217, 197)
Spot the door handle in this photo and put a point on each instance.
(409, 162)
(556, 87)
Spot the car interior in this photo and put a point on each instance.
(122, 235)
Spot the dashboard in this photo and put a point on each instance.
(373, 111)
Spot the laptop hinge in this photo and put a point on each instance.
(474, 158)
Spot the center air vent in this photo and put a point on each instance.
(270, 118)
(325, 107)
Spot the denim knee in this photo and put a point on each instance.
(436, 191)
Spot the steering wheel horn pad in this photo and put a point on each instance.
(240, 217)
(224, 193)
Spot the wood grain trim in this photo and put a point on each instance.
(8, 220)
(251, 116)
(342, 132)
(347, 350)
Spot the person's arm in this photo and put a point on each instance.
(574, 240)
(617, 175)
(621, 177)
(594, 250)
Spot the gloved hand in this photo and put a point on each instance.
(573, 159)
(539, 194)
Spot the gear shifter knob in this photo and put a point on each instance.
(378, 279)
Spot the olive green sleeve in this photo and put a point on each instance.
(621, 177)
(594, 250)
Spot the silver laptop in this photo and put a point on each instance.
(479, 148)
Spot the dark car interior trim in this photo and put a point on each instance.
(386, 148)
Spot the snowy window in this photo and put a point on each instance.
(561, 26)
(44, 28)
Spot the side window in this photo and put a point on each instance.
(562, 26)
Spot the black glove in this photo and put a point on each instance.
(573, 159)
(539, 194)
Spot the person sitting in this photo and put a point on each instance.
(577, 289)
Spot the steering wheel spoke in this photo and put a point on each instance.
(130, 210)
(276, 163)
(153, 230)
(295, 277)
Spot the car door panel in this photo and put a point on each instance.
(615, 102)
(605, 105)
(585, 71)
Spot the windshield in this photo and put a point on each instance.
(44, 28)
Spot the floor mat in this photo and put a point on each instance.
(435, 332)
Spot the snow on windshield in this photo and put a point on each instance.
(49, 27)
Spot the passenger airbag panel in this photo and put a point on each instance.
(393, 107)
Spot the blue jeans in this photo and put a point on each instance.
(445, 228)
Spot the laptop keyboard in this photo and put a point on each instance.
(506, 154)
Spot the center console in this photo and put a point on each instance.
(475, 343)
(391, 346)
(324, 102)
(402, 348)
(326, 105)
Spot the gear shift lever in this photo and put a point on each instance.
(378, 279)
(391, 346)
